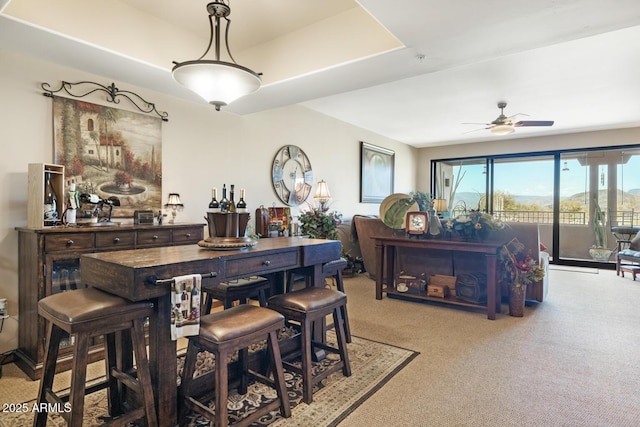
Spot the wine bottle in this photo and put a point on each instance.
(232, 202)
(50, 202)
(224, 202)
(242, 205)
(214, 206)
(89, 198)
(195, 300)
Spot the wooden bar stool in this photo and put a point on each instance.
(329, 269)
(307, 306)
(241, 290)
(86, 313)
(222, 333)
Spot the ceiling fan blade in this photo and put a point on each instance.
(483, 124)
(475, 130)
(534, 123)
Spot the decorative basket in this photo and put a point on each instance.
(472, 287)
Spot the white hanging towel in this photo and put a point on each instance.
(185, 306)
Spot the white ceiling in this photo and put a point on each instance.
(573, 61)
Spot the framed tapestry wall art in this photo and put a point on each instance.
(110, 152)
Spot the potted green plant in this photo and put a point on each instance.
(320, 225)
(354, 264)
(474, 225)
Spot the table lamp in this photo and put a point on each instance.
(322, 195)
(174, 203)
(440, 205)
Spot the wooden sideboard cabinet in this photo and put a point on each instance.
(49, 262)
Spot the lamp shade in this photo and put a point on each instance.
(217, 82)
(440, 205)
(322, 192)
(174, 200)
(502, 129)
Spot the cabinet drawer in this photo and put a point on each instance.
(188, 235)
(68, 242)
(154, 237)
(115, 240)
(261, 264)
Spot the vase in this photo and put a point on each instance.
(517, 296)
(600, 254)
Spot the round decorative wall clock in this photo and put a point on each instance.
(291, 175)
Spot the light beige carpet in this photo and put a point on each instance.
(372, 364)
(573, 360)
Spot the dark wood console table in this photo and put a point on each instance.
(49, 262)
(125, 272)
(387, 246)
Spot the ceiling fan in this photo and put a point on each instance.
(504, 125)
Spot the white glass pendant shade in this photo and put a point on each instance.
(502, 129)
(218, 82)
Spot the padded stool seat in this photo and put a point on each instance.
(86, 313)
(308, 306)
(229, 325)
(307, 300)
(222, 333)
(329, 269)
(237, 290)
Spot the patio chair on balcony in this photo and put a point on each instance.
(622, 227)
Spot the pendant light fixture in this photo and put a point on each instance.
(218, 82)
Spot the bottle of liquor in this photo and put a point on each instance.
(232, 202)
(195, 302)
(224, 202)
(50, 202)
(214, 206)
(242, 205)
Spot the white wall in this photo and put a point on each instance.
(201, 149)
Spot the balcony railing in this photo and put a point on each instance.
(542, 217)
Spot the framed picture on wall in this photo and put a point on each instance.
(376, 173)
(110, 152)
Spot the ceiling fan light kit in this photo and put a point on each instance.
(502, 129)
(504, 125)
(217, 82)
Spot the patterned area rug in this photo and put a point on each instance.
(372, 365)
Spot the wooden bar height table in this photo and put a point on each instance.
(126, 273)
(385, 271)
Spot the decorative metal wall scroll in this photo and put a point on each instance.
(83, 89)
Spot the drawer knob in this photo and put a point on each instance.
(155, 237)
(70, 242)
(267, 263)
(188, 235)
(116, 240)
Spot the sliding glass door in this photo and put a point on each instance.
(600, 190)
(523, 192)
(580, 199)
